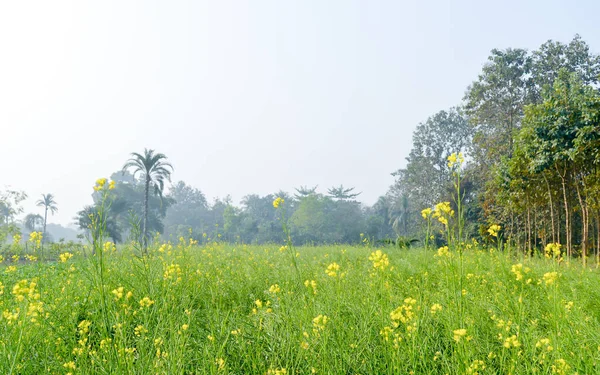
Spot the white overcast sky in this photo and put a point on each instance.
(243, 96)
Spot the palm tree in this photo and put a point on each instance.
(48, 203)
(154, 170)
(33, 221)
(399, 214)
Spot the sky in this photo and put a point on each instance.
(243, 96)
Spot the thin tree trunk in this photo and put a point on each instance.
(45, 218)
(551, 208)
(584, 232)
(566, 202)
(145, 219)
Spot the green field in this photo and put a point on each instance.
(225, 309)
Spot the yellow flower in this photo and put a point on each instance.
(319, 323)
(459, 334)
(274, 289)
(494, 229)
(118, 293)
(69, 365)
(185, 327)
(435, 308)
(550, 277)
(146, 302)
(452, 160)
(552, 250)
(111, 185)
(16, 238)
(511, 341)
(332, 269)
(426, 213)
(443, 252)
(65, 257)
(380, 260)
(455, 159)
(278, 201)
(277, 371)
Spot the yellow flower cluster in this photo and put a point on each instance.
(319, 323)
(332, 270)
(552, 250)
(455, 159)
(442, 211)
(494, 229)
(435, 308)
(101, 184)
(426, 213)
(274, 289)
(278, 202)
(173, 272)
(146, 302)
(260, 304)
(109, 247)
(560, 367)
(518, 270)
(16, 238)
(25, 289)
(459, 334)
(277, 371)
(511, 341)
(476, 367)
(444, 252)
(550, 277)
(380, 260)
(36, 238)
(65, 257)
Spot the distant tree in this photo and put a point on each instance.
(400, 215)
(303, 191)
(48, 203)
(341, 193)
(33, 221)
(154, 170)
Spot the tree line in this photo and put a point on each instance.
(529, 125)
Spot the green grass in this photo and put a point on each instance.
(213, 291)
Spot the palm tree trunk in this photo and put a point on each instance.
(145, 220)
(45, 218)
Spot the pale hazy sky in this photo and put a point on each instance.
(243, 96)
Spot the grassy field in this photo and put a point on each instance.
(225, 309)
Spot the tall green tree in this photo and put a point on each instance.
(154, 171)
(48, 203)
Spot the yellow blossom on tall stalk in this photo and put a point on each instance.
(455, 159)
(16, 238)
(552, 251)
(146, 302)
(494, 229)
(550, 277)
(65, 257)
(459, 334)
(332, 269)
(426, 213)
(36, 238)
(278, 201)
(380, 260)
(319, 323)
